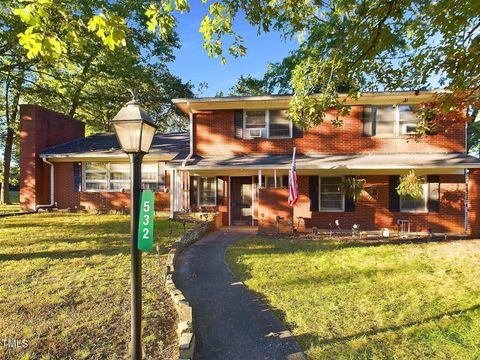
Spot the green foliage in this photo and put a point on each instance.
(65, 285)
(348, 300)
(411, 185)
(345, 46)
(248, 86)
(352, 187)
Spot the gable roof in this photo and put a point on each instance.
(164, 147)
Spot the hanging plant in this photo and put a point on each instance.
(411, 185)
(352, 187)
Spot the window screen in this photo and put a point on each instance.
(279, 123)
(385, 120)
(254, 119)
(331, 198)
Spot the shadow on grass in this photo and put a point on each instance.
(270, 246)
(309, 340)
(66, 254)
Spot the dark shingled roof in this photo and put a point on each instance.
(106, 144)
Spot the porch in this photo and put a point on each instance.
(258, 197)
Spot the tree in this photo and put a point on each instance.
(356, 45)
(82, 78)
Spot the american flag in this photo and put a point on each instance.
(292, 183)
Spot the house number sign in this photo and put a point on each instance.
(145, 226)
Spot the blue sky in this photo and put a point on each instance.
(192, 62)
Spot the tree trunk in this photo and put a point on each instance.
(7, 157)
(11, 130)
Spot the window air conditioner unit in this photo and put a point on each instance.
(409, 128)
(254, 133)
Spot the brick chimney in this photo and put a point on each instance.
(41, 128)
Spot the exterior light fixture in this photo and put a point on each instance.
(135, 130)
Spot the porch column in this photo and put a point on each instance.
(172, 193)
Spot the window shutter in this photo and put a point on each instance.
(297, 131)
(368, 119)
(349, 203)
(238, 123)
(313, 192)
(433, 203)
(220, 191)
(77, 177)
(394, 198)
(193, 190)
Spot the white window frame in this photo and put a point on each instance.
(198, 190)
(425, 208)
(397, 129)
(108, 180)
(267, 126)
(290, 123)
(84, 177)
(320, 195)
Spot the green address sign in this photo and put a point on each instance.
(147, 216)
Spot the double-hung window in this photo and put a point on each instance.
(207, 191)
(409, 204)
(255, 123)
(119, 176)
(389, 120)
(331, 197)
(102, 176)
(96, 176)
(267, 124)
(153, 176)
(279, 124)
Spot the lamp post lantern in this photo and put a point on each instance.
(135, 130)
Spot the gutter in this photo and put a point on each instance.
(190, 115)
(52, 189)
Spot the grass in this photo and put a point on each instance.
(346, 300)
(14, 207)
(65, 288)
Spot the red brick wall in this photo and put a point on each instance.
(214, 135)
(474, 203)
(372, 213)
(41, 128)
(66, 197)
(273, 203)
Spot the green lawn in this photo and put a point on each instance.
(64, 287)
(369, 301)
(14, 207)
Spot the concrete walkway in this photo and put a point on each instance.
(229, 321)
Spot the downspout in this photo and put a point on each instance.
(52, 189)
(190, 154)
(465, 178)
(190, 115)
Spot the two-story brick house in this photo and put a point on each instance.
(236, 156)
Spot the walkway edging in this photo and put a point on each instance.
(185, 332)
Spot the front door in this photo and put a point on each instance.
(241, 203)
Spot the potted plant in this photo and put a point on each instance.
(411, 185)
(352, 187)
